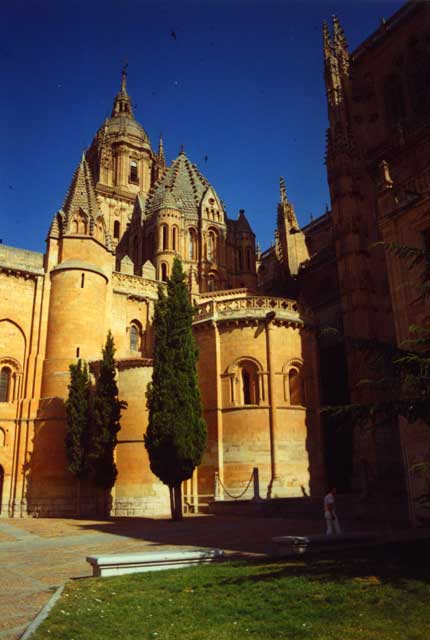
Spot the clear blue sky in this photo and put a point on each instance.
(242, 83)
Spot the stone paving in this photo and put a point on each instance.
(38, 555)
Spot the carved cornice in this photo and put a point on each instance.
(18, 272)
(253, 309)
(121, 364)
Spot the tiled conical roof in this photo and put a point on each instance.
(81, 193)
(182, 186)
(81, 197)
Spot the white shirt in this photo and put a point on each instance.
(329, 502)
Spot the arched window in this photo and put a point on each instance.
(249, 258)
(136, 249)
(163, 271)
(239, 260)
(175, 238)
(212, 282)
(116, 229)
(2, 437)
(248, 378)
(212, 245)
(133, 177)
(164, 237)
(99, 231)
(192, 244)
(295, 387)
(5, 379)
(134, 338)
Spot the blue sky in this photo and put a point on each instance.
(240, 81)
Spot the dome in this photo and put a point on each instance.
(124, 125)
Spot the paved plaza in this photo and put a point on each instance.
(38, 555)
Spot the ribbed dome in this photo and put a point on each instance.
(124, 125)
(122, 120)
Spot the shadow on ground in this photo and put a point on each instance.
(394, 563)
(252, 535)
(235, 534)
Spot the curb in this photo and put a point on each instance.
(43, 613)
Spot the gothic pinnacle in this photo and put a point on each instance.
(283, 190)
(124, 78)
(339, 39)
(327, 45)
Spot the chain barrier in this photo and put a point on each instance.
(241, 494)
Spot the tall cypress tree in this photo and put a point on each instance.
(78, 425)
(106, 421)
(176, 434)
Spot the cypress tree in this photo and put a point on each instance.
(106, 421)
(77, 439)
(176, 434)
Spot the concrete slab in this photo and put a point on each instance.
(121, 563)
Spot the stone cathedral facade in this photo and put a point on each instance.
(265, 368)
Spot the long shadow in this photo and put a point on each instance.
(235, 534)
(395, 563)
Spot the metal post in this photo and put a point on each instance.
(256, 480)
(217, 495)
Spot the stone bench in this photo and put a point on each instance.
(120, 563)
(295, 545)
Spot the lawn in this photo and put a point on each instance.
(377, 594)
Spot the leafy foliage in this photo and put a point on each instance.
(176, 434)
(78, 419)
(106, 419)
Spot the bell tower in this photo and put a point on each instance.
(121, 159)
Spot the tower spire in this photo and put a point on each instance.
(161, 150)
(122, 103)
(327, 44)
(283, 190)
(124, 78)
(340, 45)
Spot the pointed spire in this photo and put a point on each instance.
(339, 38)
(340, 45)
(181, 149)
(124, 78)
(159, 164)
(285, 208)
(81, 194)
(122, 103)
(327, 44)
(161, 156)
(283, 190)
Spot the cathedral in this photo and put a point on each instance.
(266, 365)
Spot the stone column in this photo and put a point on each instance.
(274, 485)
(219, 416)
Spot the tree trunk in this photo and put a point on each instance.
(178, 502)
(172, 502)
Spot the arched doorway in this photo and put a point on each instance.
(1, 487)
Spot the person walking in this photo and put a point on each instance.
(331, 519)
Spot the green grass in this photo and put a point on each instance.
(380, 594)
